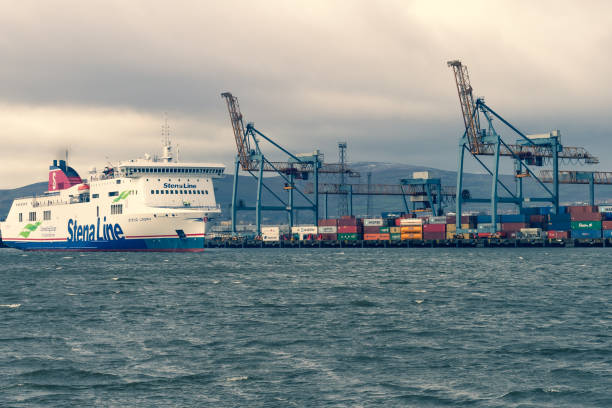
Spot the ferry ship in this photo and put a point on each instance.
(147, 204)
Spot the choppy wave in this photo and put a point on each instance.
(308, 327)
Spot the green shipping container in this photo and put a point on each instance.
(591, 225)
(396, 237)
(384, 230)
(347, 237)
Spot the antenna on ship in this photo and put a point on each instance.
(166, 143)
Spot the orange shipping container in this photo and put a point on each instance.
(412, 229)
(395, 230)
(376, 237)
(411, 235)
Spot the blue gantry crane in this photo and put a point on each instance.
(251, 159)
(527, 151)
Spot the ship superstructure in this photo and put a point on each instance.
(147, 204)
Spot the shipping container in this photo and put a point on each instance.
(410, 221)
(559, 226)
(270, 234)
(349, 229)
(434, 228)
(437, 220)
(531, 232)
(450, 234)
(420, 175)
(451, 227)
(373, 222)
(513, 226)
(328, 229)
(395, 230)
(607, 233)
(371, 229)
(411, 235)
(513, 218)
(537, 218)
(395, 236)
(557, 234)
(586, 216)
(606, 225)
(580, 225)
(434, 235)
(605, 208)
(411, 229)
(586, 234)
(375, 237)
(328, 237)
(581, 209)
(328, 223)
(384, 230)
(348, 237)
(559, 217)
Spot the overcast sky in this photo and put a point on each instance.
(97, 76)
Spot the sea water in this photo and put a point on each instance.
(307, 328)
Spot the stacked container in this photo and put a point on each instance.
(411, 228)
(270, 234)
(585, 222)
(349, 228)
(606, 223)
(512, 224)
(434, 231)
(328, 230)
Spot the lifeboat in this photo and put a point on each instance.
(83, 188)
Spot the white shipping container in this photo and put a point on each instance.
(531, 232)
(270, 234)
(373, 222)
(420, 174)
(331, 229)
(410, 221)
(419, 199)
(437, 220)
(605, 208)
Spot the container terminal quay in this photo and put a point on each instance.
(521, 210)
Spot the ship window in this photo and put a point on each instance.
(156, 191)
(97, 211)
(118, 181)
(117, 209)
(20, 217)
(162, 191)
(47, 215)
(95, 195)
(171, 191)
(113, 193)
(175, 191)
(32, 216)
(181, 191)
(152, 191)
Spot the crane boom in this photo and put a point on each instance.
(468, 107)
(242, 141)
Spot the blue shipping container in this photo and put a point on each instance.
(607, 233)
(559, 226)
(586, 234)
(607, 216)
(513, 218)
(531, 211)
(560, 218)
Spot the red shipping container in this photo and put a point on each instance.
(434, 235)
(451, 219)
(579, 209)
(348, 221)
(328, 237)
(537, 218)
(586, 216)
(606, 225)
(328, 223)
(371, 230)
(347, 229)
(513, 226)
(434, 228)
(484, 235)
(557, 234)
